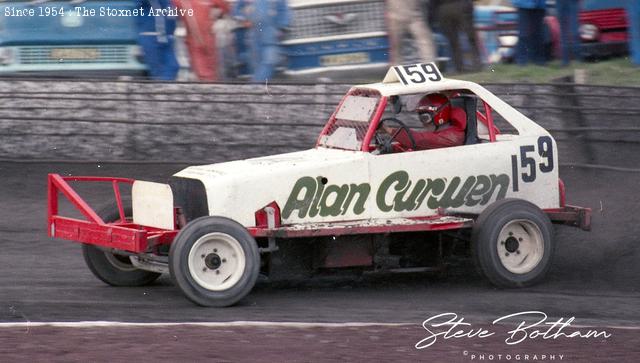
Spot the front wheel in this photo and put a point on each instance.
(513, 243)
(214, 261)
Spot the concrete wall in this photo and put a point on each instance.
(199, 123)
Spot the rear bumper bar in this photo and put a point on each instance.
(572, 216)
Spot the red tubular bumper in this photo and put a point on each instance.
(571, 215)
(121, 235)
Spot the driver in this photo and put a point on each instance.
(444, 125)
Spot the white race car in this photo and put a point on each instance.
(359, 199)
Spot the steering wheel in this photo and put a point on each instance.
(386, 143)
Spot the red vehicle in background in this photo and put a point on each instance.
(604, 28)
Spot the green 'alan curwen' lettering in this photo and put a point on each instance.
(312, 197)
(398, 193)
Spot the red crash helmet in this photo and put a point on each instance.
(434, 108)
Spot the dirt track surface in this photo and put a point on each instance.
(594, 279)
(298, 344)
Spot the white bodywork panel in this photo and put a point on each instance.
(152, 204)
(463, 179)
(238, 189)
(363, 186)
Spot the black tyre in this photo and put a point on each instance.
(512, 243)
(214, 261)
(114, 269)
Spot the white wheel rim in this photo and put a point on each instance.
(520, 246)
(216, 261)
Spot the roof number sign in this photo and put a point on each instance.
(417, 73)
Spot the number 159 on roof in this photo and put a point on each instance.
(418, 73)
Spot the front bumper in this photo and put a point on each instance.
(603, 49)
(121, 235)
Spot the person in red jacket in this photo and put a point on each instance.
(200, 40)
(445, 125)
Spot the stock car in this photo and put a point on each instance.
(357, 200)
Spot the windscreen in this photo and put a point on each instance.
(348, 127)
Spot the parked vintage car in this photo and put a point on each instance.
(358, 199)
(50, 38)
(604, 28)
(345, 39)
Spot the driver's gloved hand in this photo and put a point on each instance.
(387, 148)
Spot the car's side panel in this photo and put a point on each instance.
(313, 186)
(323, 185)
(152, 205)
(465, 178)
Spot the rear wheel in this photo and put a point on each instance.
(115, 269)
(214, 261)
(513, 243)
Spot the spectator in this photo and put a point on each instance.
(155, 36)
(403, 15)
(568, 16)
(200, 40)
(242, 51)
(266, 22)
(224, 30)
(530, 31)
(456, 17)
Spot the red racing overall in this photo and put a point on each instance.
(200, 40)
(450, 134)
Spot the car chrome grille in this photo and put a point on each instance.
(338, 19)
(605, 19)
(89, 54)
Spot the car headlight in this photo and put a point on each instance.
(508, 41)
(6, 56)
(589, 32)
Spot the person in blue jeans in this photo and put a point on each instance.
(265, 22)
(155, 37)
(568, 16)
(530, 31)
(242, 59)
